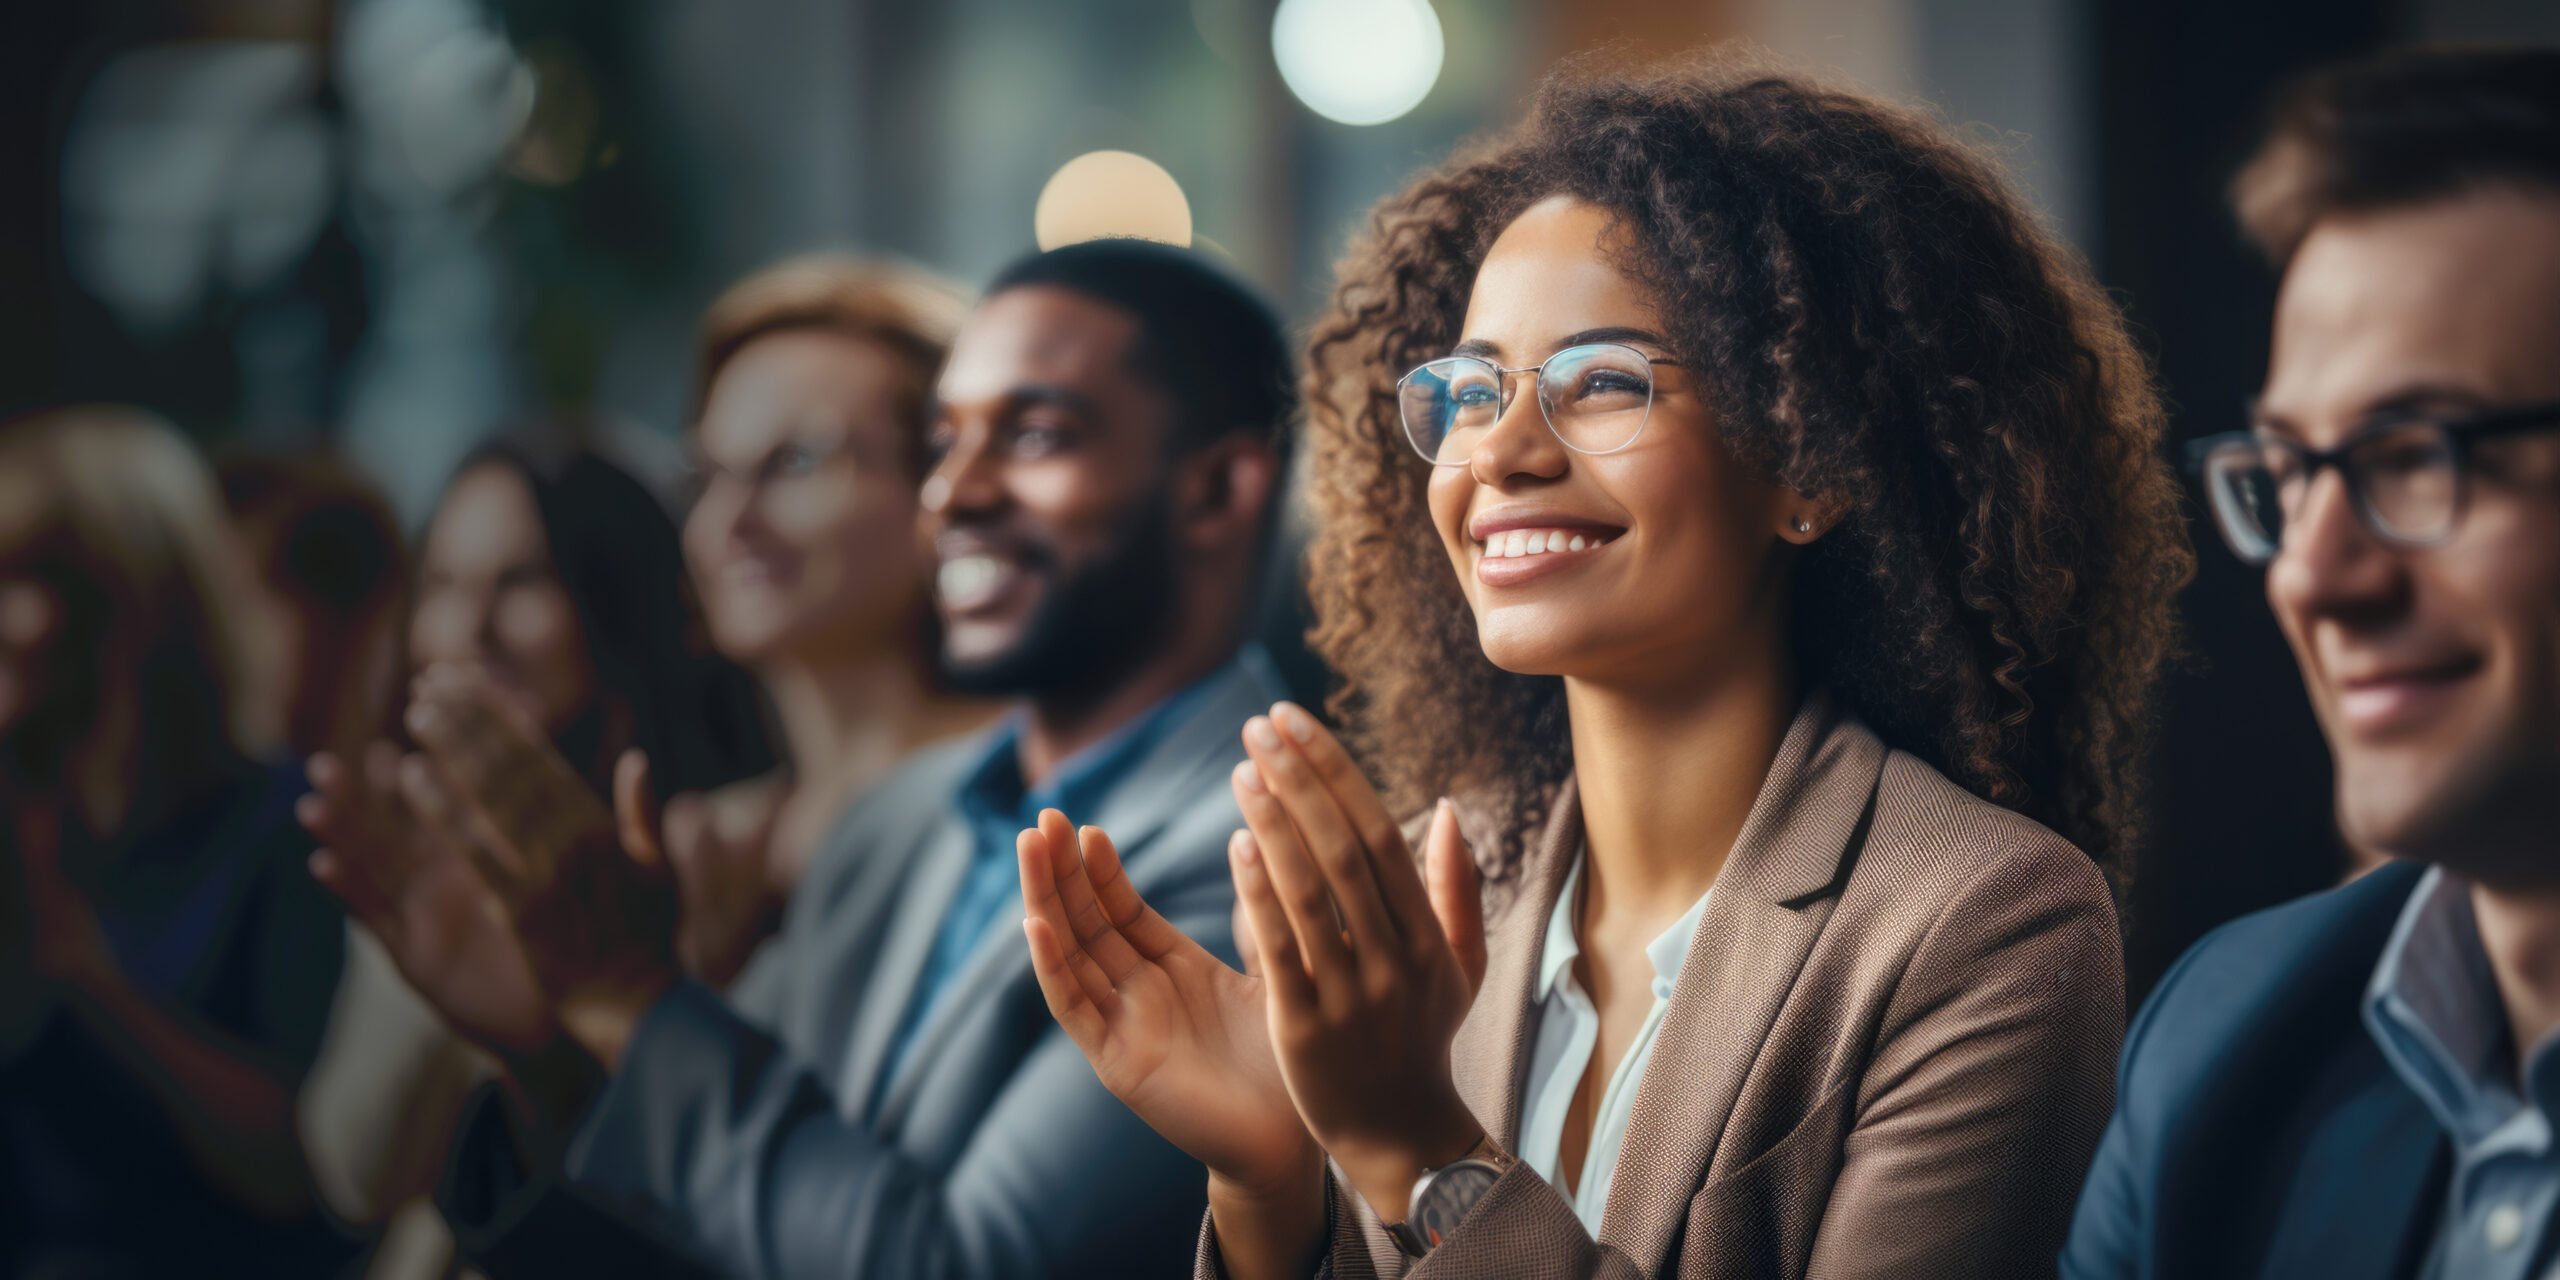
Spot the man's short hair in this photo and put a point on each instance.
(1208, 338)
(2401, 128)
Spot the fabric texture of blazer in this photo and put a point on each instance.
(756, 1132)
(1888, 1053)
(2258, 1130)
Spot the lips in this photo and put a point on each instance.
(1518, 543)
(2382, 701)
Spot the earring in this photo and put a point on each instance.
(1803, 525)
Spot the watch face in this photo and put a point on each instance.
(1448, 1196)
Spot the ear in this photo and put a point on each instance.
(1224, 489)
(1803, 520)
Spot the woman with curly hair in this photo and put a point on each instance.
(1749, 520)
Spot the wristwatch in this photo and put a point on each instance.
(1442, 1196)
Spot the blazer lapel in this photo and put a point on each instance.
(1492, 1046)
(924, 895)
(1769, 904)
(2368, 1183)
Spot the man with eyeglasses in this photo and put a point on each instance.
(2367, 1082)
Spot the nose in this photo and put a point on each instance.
(1519, 446)
(2331, 565)
(964, 480)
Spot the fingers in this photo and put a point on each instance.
(1277, 960)
(1380, 835)
(1069, 1003)
(1150, 933)
(1301, 887)
(1456, 897)
(635, 808)
(498, 765)
(1092, 927)
(1291, 795)
(1037, 859)
(441, 819)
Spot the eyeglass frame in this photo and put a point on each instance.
(2460, 436)
(1502, 379)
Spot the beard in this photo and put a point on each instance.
(1096, 624)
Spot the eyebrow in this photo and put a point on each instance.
(2414, 401)
(1028, 395)
(1485, 349)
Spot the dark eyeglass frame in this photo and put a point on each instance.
(1502, 379)
(2458, 437)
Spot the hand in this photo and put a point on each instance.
(1171, 1030)
(1362, 1010)
(593, 906)
(70, 947)
(721, 846)
(392, 852)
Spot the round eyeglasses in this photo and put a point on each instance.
(1595, 398)
(2406, 478)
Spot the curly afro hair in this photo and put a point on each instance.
(1877, 320)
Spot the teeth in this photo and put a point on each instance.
(1532, 542)
(968, 576)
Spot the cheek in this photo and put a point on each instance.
(1450, 492)
(537, 628)
(440, 631)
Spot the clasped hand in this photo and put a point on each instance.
(1337, 1040)
(504, 888)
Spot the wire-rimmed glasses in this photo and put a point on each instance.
(1595, 397)
(2406, 477)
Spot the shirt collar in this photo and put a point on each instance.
(994, 788)
(2434, 1010)
(1668, 951)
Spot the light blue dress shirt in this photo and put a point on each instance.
(2434, 1009)
(1569, 1034)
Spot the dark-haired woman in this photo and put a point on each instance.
(558, 575)
(1748, 516)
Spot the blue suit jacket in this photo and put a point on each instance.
(2258, 1131)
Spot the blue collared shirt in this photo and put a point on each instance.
(997, 806)
(2434, 1009)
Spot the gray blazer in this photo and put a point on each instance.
(745, 1130)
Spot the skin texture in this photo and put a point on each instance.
(2435, 672)
(1050, 445)
(803, 540)
(804, 535)
(1671, 641)
(487, 595)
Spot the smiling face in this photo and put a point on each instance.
(488, 594)
(2435, 672)
(1661, 562)
(1048, 507)
(803, 539)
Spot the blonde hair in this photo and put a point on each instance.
(911, 313)
(164, 655)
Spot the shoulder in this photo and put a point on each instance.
(1941, 851)
(900, 811)
(2261, 976)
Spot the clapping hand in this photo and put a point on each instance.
(591, 900)
(1368, 972)
(1171, 1030)
(391, 851)
(721, 847)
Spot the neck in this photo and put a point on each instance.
(2520, 931)
(847, 721)
(1059, 726)
(1667, 775)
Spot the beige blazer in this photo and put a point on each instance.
(1890, 1051)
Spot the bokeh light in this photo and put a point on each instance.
(1357, 61)
(1103, 194)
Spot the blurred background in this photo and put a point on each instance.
(384, 229)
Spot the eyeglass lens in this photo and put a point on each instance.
(1595, 398)
(2406, 484)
